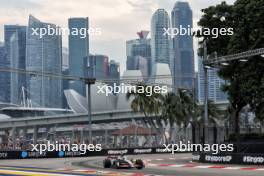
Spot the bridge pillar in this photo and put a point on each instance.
(13, 137)
(35, 134)
(24, 132)
(55, 133)
(48, 130)
(81, 136)
(106, 137)
(73, 136)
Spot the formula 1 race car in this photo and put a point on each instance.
(118, 162)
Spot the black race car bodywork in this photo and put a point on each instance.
(122, 162)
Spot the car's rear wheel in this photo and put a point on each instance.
(107, 163)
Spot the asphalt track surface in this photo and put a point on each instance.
(158, 164)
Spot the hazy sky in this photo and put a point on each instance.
(118, 19)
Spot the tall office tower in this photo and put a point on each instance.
(65, 57)
(9, 30)
(214, 85)
(139, 47)
(114, 72)
(114, 69)
(160, 43)
(183, 56)
(141, 63)
(78, 52)
(98, 67)
(3, 76)
(44, 54)
(18, 61)
(65, 85)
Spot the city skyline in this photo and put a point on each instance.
(113, 21)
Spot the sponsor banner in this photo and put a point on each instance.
(59, 154)
(235, 158)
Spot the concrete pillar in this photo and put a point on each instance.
(73, 136)
(55, 133)
(106, 137)
(47, 132)
(81, 136)
(35, 134)
(24, 132)
(14, 131)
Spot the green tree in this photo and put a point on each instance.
(245, 80)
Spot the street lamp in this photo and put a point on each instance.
(89, 82)
(225, 64)
(243, 60)
(205, 132)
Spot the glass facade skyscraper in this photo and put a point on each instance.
(214, 85)
(114, 72)
(160, 43)
(182, 64)
(98, 66)
(44, 55)
(3, 75)
(18, 61)
(78, 53)
(5, 79)
(139, 47)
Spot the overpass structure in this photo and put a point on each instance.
(97, 117)
(71, 119)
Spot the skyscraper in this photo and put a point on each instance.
(114, 72)
(139, 47)
(182, 64)
(3, 76)
(98, 66)
(78, 52)
(44, 55)
(214, 85)
(141, 63)
(18, 61)
(9, 30)
(160, 43)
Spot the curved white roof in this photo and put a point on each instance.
(100, 102)
(75, 101)
(4, 117)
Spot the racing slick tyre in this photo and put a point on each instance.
(107, 163)
(139, 164)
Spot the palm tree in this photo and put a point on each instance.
(145, 102)
(180, 108)
(172, 109)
